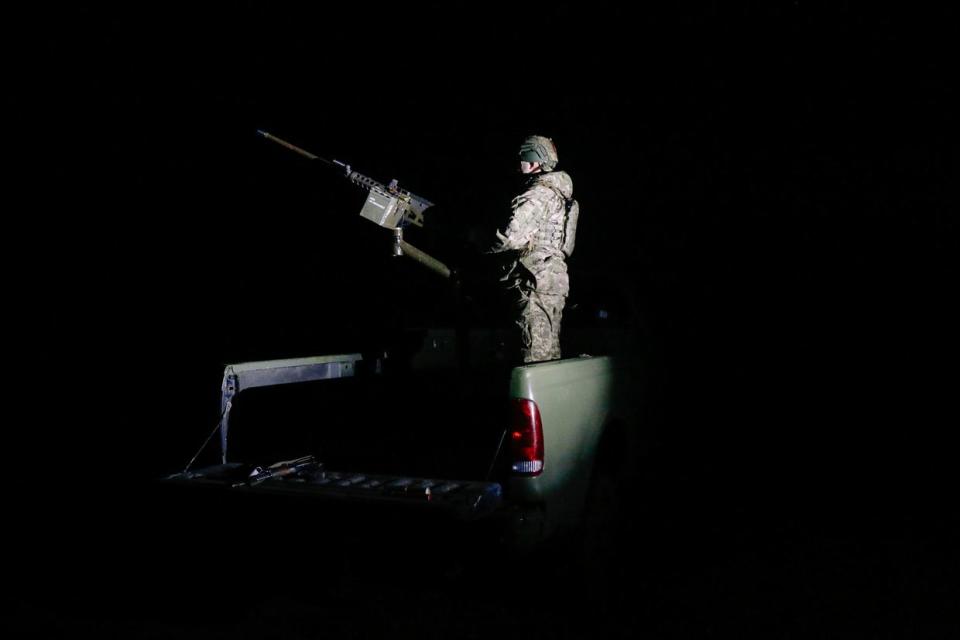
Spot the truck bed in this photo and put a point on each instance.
(425, 424)
(375, 432)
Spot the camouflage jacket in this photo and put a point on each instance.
(536, 233)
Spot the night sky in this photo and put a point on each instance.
(772, 187)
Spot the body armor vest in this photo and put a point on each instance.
(551, 232)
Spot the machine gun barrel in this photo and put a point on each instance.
(293, 147)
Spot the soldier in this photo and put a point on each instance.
(541, 231)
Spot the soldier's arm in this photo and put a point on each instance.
(528, 210)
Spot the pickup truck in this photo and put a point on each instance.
(440, 423)
(526, 453)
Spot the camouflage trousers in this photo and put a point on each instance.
(539, 322)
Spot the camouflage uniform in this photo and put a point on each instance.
(537, 232)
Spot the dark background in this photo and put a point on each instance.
(772, 186)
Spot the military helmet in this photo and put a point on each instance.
(539, 149)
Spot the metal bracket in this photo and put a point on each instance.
(228, 389)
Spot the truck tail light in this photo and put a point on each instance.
(526, 438)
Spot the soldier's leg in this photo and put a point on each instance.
(526, 319)
(553, 308)
(539, 321)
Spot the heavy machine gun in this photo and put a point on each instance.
(389, 206)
